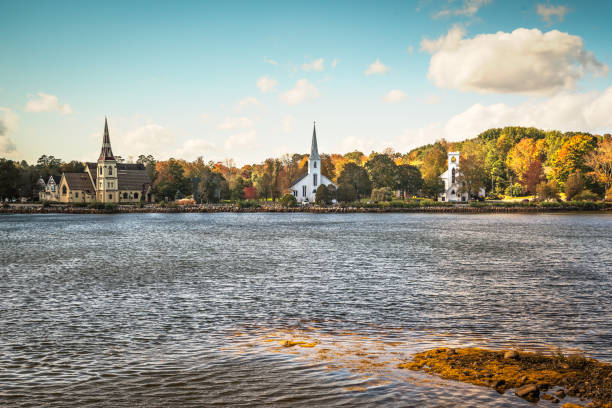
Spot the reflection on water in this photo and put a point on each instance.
(145, 309)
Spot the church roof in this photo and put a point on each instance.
(131, 179)
(79, 181)
(107, 151)
(299, 179)
(314, 149)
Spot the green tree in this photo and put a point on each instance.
(357, 177)
(382, 170)
(432, 187)
(382, 194)
(9, 179)
(288, 200)
(332, 193)
(73, 166)
(409, 180)
(472, 175)
(574, 185)
(321, 196)
(346, 193)
(572, 156)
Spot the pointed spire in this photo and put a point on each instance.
(314, 149)
(107, 151)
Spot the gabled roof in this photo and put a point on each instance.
(132, 179)
(56, 179)
(302, 177)
(79, 181)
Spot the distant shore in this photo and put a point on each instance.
(234, 208)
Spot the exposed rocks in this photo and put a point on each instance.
(530, 392)
(512, 354)
(560, 394)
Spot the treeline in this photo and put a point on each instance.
(512, 161)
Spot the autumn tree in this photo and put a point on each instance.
(572, 156)
(472, 175)
(548, 190)
(574, 185)
(533, 176)
(521, 156)
(600, 163)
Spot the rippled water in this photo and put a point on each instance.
(185, 309)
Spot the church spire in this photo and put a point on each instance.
(107, 151)
(314, 149)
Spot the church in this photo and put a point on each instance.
(451, 186)
(305, 188)
(106, 181)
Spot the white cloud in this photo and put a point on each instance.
(316, 65)
(235, 123)
(301, 92)
(523, 61)
(468, 9)
(376, 67)
(246, 102)
(8, 124)
(266, 84)
(395, 96)
(547, 11)
(335, 62)
(47, 103)
(204, 117)
(270, 61)
(239, 140)
(194, 148)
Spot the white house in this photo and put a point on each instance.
(451, 186)
(305, 188)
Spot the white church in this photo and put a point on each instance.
(451, 186)
(305, 188)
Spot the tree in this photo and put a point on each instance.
(572, 157)
(213, 187)
(574, 185)
(48, 166)
(9, 177)
(471, 173)
(533, 176)
(357, 177)
(346, 193)
(331, 192)
(548, 191)
(383, 171)
(432, 187)
(409, 179)
(521, 156)
(382, 194)
(600, 162)
(434, 163)
(170, 179)
(321, 196)
(356, 156)
(72, 167)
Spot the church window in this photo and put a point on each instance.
(110, 170)
(443, 198)
(462, 198)
(110, 196)
(124, 195)
(453, 177)
(315, 165)
(314, 179)
(64, 190)
(76, 195)
(100, 168)
(295, 193)
(303, 191)
(135, 195)
(453, 192)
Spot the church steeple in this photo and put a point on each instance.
(314, 149)
(107, 151)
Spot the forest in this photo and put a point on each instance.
(510, 161)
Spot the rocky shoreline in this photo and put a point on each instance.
(531, 376)
(232, 208)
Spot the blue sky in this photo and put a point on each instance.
(245, 80)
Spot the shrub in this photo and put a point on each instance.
(322, 195)
(574, 185)
(585, 195)
(515, 190)
(288, 200)
(45, 204)
(548, 191)
(96, 205)
(248, 204)
(346, 193)
(80, 204)
(110, 206)
(382, 194)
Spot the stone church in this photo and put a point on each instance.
(106, 181)
(305, 188)
(451, 186)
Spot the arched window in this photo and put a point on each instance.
(64, 190)
(315, 165)
(124, 195)
(100, 168)
(453, 177)
(110, 196)
(314, 179)
(453, 192)
(110, 170)
(135, 195)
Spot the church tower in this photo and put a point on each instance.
(107, 181)
(453, 166)
(314, 162)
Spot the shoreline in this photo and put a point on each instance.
(231, 208)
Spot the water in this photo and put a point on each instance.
(187, 309)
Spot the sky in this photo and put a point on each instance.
(246, 80)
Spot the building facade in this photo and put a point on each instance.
(106, 181)
(305, 188)
(49, 190)
(452, 191)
